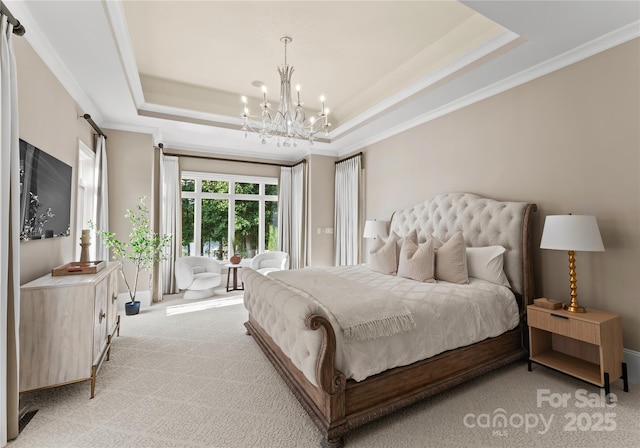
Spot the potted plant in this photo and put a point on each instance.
(143, 250)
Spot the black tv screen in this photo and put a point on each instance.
(45, 194)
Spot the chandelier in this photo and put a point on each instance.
(289, 123)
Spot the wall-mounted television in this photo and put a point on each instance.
(45, 194)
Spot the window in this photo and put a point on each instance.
(221, 211)
(85, 195)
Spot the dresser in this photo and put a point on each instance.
(585, 345)
(67, 324)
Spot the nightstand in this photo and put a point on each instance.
(587, 345)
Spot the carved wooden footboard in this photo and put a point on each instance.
(340, 405)
(337, 405)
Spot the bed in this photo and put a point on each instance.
(317, 358)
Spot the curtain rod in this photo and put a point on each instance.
(350, 157)
(222, 159)
(18, 29)
(94, 125)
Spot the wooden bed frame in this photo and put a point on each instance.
(338, 405)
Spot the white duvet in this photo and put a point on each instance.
(447, 316)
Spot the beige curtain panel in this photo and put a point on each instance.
(9, 237)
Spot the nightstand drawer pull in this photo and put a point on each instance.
(561, 317)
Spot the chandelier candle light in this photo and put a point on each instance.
(289, 123)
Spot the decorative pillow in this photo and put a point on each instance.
(451, 260)
(412, 236)
(417, 261)
(487, 263)
(384, 256)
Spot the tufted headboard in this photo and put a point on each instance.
(483, 222)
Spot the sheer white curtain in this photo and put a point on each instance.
(101, 199)
(292, 214)
(284, 209)
(347, 211)
(9, 239)
(170, 210)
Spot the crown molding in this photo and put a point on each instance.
(188, 115)
(138, 129)
(214, 151)
(492, 44)
(591, 48)
(122, 38)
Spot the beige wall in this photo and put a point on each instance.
(49, 120)
(130, 162)
(321, 210)
(569, 142)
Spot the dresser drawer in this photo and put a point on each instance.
(563, 325)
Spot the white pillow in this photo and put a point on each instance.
(487, 263)
(384, 255)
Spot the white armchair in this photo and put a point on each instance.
(198, 276)
(266, 262)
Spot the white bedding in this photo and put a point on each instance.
(447, 316)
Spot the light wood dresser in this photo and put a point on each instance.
(585, 345)
(67, 324)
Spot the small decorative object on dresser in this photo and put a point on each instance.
(587, 346)
(571, 233)
(143, 250)
(79, 267)
(85, 242)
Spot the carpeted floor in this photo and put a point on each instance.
(184, 374)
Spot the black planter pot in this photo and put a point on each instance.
(131, 308)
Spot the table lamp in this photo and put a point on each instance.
(373, 229)
(572, 233)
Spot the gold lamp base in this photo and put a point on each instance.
(574, 306)
(576, 309)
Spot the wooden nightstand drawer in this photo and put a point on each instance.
(557, 321)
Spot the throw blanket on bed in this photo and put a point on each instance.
(363, 312)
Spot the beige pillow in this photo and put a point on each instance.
(451, 260)
(384, 256)
(417, 261)
(412, 235)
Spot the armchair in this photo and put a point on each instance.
(266, 262)
(198, 276)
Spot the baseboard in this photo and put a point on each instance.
(143, 296)
(632, 358)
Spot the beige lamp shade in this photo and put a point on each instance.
(373, 229)
(571, 232)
